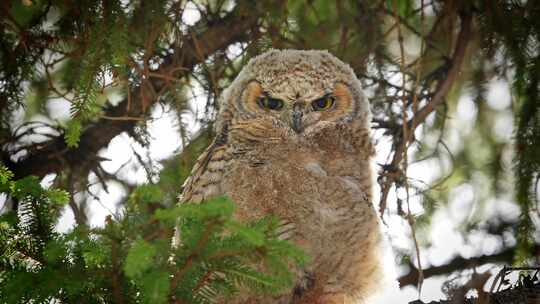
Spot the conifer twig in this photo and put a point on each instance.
(117, 293)
(190, 259)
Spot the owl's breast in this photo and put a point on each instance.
(320, 191)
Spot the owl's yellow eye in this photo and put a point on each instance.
(267, 102)
(323, 103)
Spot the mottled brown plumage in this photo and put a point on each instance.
(278, 152)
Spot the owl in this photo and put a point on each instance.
(293, 141)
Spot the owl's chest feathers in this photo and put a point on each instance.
(320, 180)
(325, 195)
(293, 180)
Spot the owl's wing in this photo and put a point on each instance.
(205, 179)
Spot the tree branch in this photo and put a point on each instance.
(54, 155)
(460, 263)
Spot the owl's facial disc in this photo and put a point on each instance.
(299, 113)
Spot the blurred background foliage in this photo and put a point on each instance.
(453, 87)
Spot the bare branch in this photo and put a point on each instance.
(420, 116)
(460, 263)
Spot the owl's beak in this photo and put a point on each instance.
(297, 119)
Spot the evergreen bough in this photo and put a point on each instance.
(131, 259)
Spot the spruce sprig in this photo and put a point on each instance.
(130, 259)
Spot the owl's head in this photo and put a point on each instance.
(297, 90)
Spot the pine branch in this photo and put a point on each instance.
(117, 292)
(190, 259)
(54, 155)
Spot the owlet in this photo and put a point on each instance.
(293, 141)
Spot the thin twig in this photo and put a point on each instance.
(405, 145)
(190, 259)
(123, 118)
(438, 98)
